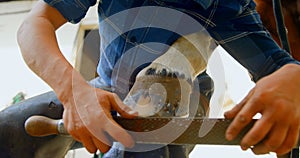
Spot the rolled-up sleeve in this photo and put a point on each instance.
(72, 10)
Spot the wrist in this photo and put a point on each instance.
(68, 84)
(293, 69)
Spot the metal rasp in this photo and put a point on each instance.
(154, 130)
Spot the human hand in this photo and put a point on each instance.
(88, 119)
(277, 98)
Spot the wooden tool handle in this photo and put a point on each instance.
(40, 126)
(190, 134)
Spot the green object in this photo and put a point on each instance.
(95, 155)
(18, 98)
(98, 156)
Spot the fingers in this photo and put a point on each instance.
(271, 133)
(121, 108)
(243, 116)
(239, 122)
(103, 147)
(92, 138)
(92, 144)
(273, 140)
(88, 143)
(113, 129)
(92, 124)
(104, 127)
(256, 134)
(290, 141)
(119, 134)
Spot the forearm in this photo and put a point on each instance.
(40, 50)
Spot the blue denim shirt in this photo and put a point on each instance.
(126, 44)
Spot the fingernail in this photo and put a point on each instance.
(244, 147)
(131, 145)
(225, 114)
(228, 115)
(131, 112)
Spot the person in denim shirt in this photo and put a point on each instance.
(234, 24)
